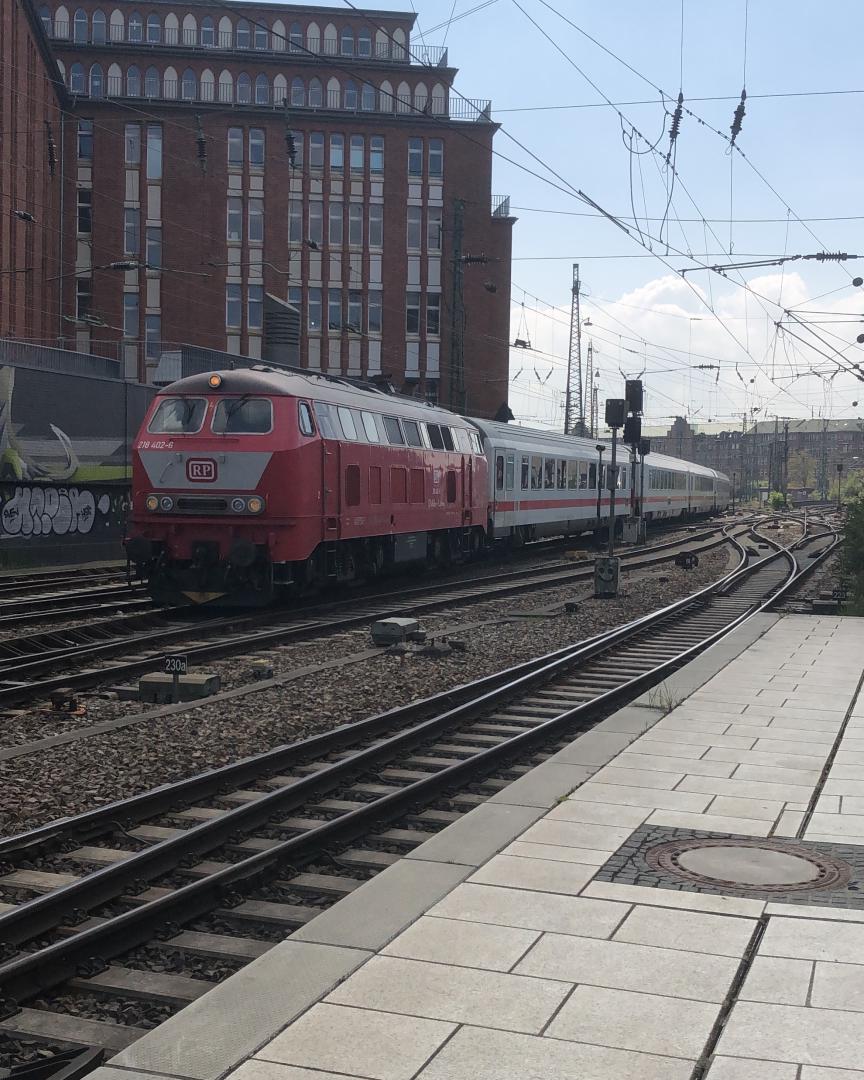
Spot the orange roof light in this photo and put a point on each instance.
(215, 381)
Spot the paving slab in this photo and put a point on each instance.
(670, 928)
(478, 835)
(545, 784)
(726, 1068)
(475, 945)
(778, 981)
(826, 1037)
(543, 875)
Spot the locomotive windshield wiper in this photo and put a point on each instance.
(233, 406)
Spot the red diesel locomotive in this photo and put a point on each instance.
(251, 481)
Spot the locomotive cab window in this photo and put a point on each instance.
(447, 436)
(394, 432)
(348, 425)
(328, 421)
(369, 427)
(436, 440)
(304, 418)
(178, 416)
(243, 416)
(412, 432)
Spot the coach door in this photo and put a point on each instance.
(331, 487)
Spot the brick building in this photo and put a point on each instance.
(30, 126)
(280, 182)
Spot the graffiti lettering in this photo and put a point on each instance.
(45, 511)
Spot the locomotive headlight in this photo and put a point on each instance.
(238, 505)
(166, 504)
(255, 505)
(152, 502)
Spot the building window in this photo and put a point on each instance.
(337, 153)
(97, 81)
(295, 297)
(412, 313)
(316, 148)
(415, 227)
(131, 231)
(132, 143)
(415, 157)
(152, 336)
(85, 140)
(154, 246)
(295, 221)
(433, 228)
(295, 38)
(85, 211)
(255, 307)
(233, 306)
(334, 309)
(242, 37)
(364, 42)
(373, 311)
(244, 88)
(316, 94)
(235, 146)
(133, 82)
(368, 97)
(298, 92)
(135, 27)
(235, 218)
(80, 28)
(262, 38)
(47, 24)
(346, 46)
(99, 28)
(256, 219)
(262, 90)
(256, 146)
(355, 312)
(154, 29)
(436, 157)
(376, 225)
(355, 225)
(189, 85)
(335, 223)
(314, 309)
(350, 96)
(77, 79)
(433, 314)
(154, 151)
(152, 83)
(208, 31)
(130, 315)
(83, 298)
(376, 155)
(316, 221)
(358, 154)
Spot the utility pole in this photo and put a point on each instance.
(785, 462)
(457, 313)
(574, 399)
(589, 389)
(823, 461)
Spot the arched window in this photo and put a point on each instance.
(385, 97)
(278, 40)
(242, 39)
(152, 83)
(154, 29)
(133, 82)
(350, 97)
(421, 97)
(298, 92)
(61, 22)
(367, 98)
(316, 94)
(208, 32)
(244, 88)
(169, 83)
(262, 90)
(80, 27)
(190, 30)
(403, 98)
(346, 42)
(399, 44)
(225, 40)
(114, 81)
(439, 100)
(117, 27)
(382, 45)
(334, 94)
(313, 37)
(77, 82)
(97, 81)
(208, 84)
(100, 28)
(280, 90)
(262, 37)
(189, 85)
(171, 30)
(295, 37)
(136, 27)
(364, 42)
(226, 86)
(47, 22)
(331, 40)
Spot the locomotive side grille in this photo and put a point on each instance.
(202, 504)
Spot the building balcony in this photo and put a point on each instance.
(205, 41)
(261, 93)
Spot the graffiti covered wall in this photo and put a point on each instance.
(55, 523)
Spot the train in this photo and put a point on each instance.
(255, 482)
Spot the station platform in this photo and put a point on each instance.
(677, 895)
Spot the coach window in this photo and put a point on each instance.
(561, 478)
(447, 436)
(412, 432)
(525, 474)
(394, 433)
(511, 472)
(572, 474)
(243, 416)
(583, 474)
(499, 472)
(592, 475)
(348, 425)
(304, 414)
(369, 426)
(436, 440)
(536, 472)
(549, 473)
(178, 416)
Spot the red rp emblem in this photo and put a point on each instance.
(201, 470)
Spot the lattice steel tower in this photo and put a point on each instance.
(574, 401)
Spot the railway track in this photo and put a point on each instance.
(31, 584)
(211, 870)
(29, 664)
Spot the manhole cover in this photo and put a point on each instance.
(748, 864)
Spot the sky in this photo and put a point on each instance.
(801, 160)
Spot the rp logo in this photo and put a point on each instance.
(201, 470)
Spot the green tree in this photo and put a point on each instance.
(802, 469)
(776, 500)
